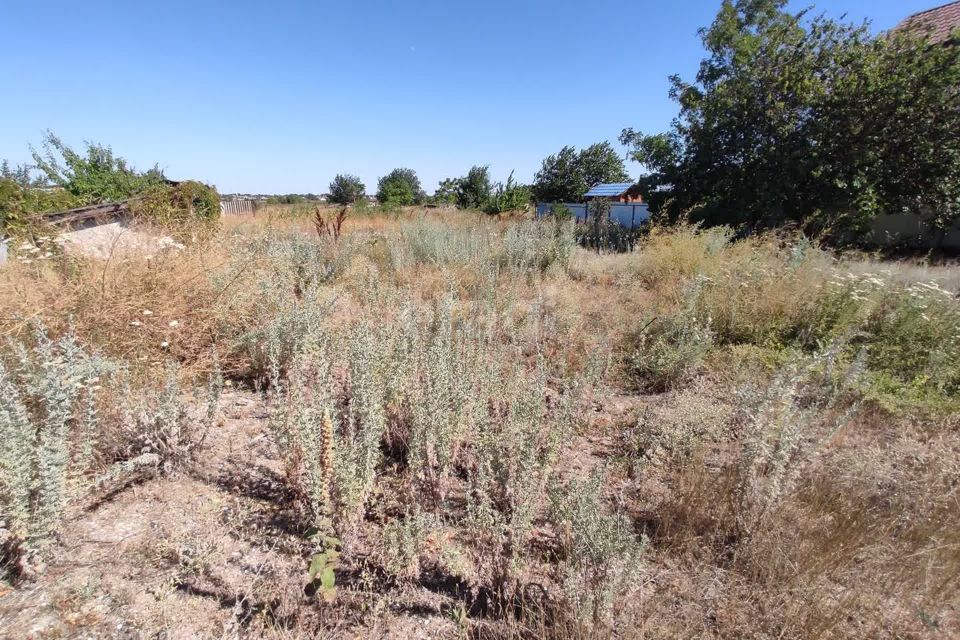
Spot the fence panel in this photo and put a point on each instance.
(626, 215)
(910, 230)
(238, 207)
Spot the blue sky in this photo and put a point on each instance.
(278, 97)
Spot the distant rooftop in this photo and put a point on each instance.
(937, 24)
(608, 189)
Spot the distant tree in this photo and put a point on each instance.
(508, 196)
(96, 176)
(289, 198)
(800, 119)
(400, 187)
(567, 175)
(20, 174)
(346, 189)
(473, 190)
(447, 190)
(600, 162)
(559, 179)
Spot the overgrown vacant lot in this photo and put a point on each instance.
(447, 426)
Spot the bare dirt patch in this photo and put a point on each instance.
(192, 555)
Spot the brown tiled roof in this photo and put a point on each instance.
(937, 24)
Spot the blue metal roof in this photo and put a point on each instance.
(609, 189)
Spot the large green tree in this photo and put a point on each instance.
(346, 189)
(568, 174)
(446, 192)
(474, 189)
(400, 187)
(794, 118)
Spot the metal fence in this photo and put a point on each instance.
(626, 215)
(238, 207)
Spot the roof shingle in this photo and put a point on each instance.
(937, 24)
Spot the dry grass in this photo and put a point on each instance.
(483, 462)
(134, 308)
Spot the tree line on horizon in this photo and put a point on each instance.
(563, 177)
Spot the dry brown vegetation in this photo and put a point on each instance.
(444, 425)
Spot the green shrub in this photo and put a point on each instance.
(98, 176)
(180, 205)
(561, 212)
(19, 205)
(200, 200)
(13, 218)
(911, 333)
(446, 192)
(783, 297)
(507, 197)
(914, 338)
(667, 350)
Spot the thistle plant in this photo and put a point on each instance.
(48, 421)
(301, 423)
(215, 385)
(602, 553)
(357, 448)
(283, 302)
(438, 403)
(516, 444)
(786, 426)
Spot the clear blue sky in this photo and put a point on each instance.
(278, 96)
